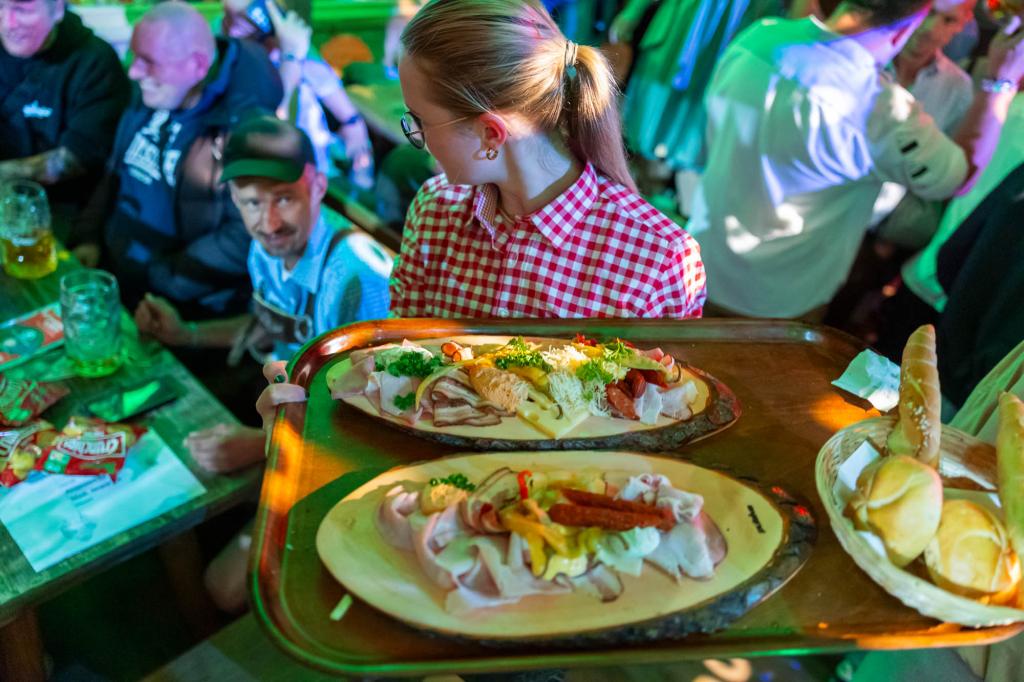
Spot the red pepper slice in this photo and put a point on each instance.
(524, 491)
(580, 339)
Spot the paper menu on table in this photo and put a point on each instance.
(53, 517)
(29, 335)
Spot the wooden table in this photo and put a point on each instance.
(382, 106)
(21, 587)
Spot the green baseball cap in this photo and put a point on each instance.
(266, 147)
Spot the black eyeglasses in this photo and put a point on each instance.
(413, 128)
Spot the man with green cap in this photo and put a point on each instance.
(307, 277)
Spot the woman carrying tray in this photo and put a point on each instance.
(536, 214)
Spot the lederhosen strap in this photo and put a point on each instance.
(271, 325)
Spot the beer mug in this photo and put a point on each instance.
(90, 307)
(29, 251)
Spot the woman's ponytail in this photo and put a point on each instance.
(591, 116)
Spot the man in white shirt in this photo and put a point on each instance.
(803, 130)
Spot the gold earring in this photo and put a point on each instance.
(491, 154)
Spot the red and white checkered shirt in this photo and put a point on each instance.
(597, 250)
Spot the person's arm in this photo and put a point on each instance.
(86, 234)
(406, 284)
(980, 130)
(215, 261)
(294, 37)
(157, 317)
(47, 168)
(353, 130)
(626, 21)
(682, 284)
(799, 9)
(97, 96)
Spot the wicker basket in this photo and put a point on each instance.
(963, 457)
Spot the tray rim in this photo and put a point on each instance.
(310, 358)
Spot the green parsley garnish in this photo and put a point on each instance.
(594, 370)
(517, 353)
(405, 402)
(616, 350)
(410, 364)
(457, 480)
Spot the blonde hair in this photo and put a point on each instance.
(508, 55)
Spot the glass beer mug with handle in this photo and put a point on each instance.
(90, 306)
(29, 251)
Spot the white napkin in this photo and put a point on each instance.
(873, 377)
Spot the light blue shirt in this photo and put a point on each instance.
(348, 285)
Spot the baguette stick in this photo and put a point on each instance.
(919, 427)
(1010, 461)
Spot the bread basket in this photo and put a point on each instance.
(963, 457)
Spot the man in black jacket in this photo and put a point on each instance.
(168, 225)
(62, 90)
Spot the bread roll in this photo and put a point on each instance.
(1010, 458)
(970, 554)
(919, 427)
(899, 499)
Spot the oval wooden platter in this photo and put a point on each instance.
(717, 408)
(769, 537)
(966, 464)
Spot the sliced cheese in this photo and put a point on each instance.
(548, 421)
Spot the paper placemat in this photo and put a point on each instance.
(52, 517)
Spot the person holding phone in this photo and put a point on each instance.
(314, 97)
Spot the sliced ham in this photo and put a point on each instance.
(388, 388)
(392, 517)
(675, 402)
(600, 582)
(649, 405)
(480, 509)
(657, 490)
(692, 549)
(353, 383)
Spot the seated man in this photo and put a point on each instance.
(804, 126)
(307, 279)
(170, 226)
(63, 90)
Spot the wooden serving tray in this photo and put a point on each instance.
(779, 371)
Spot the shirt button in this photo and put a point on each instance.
(513, 258)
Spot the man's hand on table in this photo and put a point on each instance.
(156, 317)
(226, 447)
(87, 254)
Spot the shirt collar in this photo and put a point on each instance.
(307, 270)
(557, 219)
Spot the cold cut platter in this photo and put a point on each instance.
(561, 548)
(507, 393)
